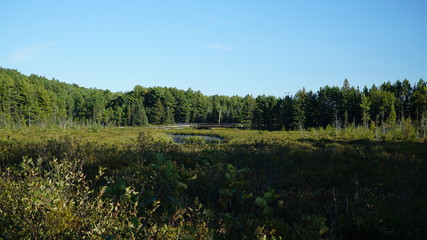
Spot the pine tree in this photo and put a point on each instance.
(286, 113)
(139, 116)
(299, 104)
(391, 119)
(248, 108)
(168, 117)
(157, 112)
(366, 106)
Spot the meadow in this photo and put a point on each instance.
(136, 183)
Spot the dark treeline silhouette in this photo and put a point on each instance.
(35, 100)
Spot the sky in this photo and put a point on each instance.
(225, 47)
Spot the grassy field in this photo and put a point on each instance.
(135, 183)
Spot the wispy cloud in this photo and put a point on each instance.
(219, 47)
(26, 53)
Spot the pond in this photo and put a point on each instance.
(179, 138)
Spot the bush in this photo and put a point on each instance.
(51, 200)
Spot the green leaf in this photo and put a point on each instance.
(227, 176)
(268, 195)
(243, 170)
(267, 210)
(224, 192)
(261, 202)
(231, 168)
(188, 237)
(135, 222)
(182, 185)
(323, 230)
(193, 177)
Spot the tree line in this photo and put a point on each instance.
(36, 100)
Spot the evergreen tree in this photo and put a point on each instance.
(366, 106)
(182, 111)
(157, 112)
(418, 102)
(168, 116)
(248, 108)
(299, 105)
(286, 113)
(391, 119)
(312, 110)
(139, 117)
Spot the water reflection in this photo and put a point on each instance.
(179, 138)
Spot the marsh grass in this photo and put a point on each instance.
(352, 183)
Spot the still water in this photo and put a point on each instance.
(178, 138)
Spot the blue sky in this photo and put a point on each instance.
(217, 47)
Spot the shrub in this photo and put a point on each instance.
(51, 200)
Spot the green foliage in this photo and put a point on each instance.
(311, 227)
(158, 113)
(339, 179)
(299, 106)
(267, 201)
(150, 144)
(139, 117)
(316, 184)
(365, 105)
(168, 118)
(27, 101)
(168, 182)
(50, 200)
(234, 183)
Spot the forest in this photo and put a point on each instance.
(340, 163)
(34, 100)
